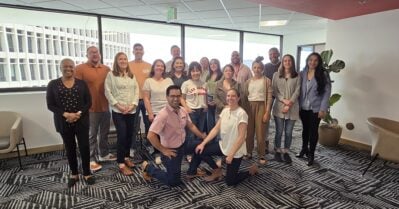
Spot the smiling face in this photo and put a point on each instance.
(178, 65)
(122, 61)
(195, 74)
(228, 72)
(159, 68)
(174, 98)
(235, 58)
(313, 61)
(274, 55)
(213, 65)
(204, 63)
(232, 97)
(175, 52)
(138, 52)
(257, 69)
(287, 64)
(93, 55)
(67, 68)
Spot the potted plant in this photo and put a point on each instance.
(330, 131)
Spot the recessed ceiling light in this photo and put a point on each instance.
(272, 23)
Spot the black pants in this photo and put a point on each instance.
(124, 124)
(310, 130)
(82, 136)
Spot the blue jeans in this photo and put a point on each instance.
(173, 169)
(190, 146)
(210, 118)
(124, 125)
(198, 119)
(287, 126)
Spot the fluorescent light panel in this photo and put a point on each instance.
(271, 23)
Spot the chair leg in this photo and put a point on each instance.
(374, 158)
(26, 152)
(19, 158)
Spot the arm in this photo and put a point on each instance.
(214, 132)
(276, 91)
(217, 99)
(86, 98)
(297, 91)
(326, 97)
(242, 130)
(51, 99)
(147, 104)
(154, 140)
(135, 100)
(184, 104)
(195, 130)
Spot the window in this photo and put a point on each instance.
(20, 41)
(2, 70)
(48, 45)
(258, 45)
(10, 40)
(39, 46)
(57, 68)
(211, 43)
(13, 70)
(22, 69)
(42, 70)
(30, 42)
(55, 45)
(156, 38)
(1, 39)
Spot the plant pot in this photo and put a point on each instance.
(329, 135)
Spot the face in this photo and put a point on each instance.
(213, 65)
(313, 62)
(257, 68)
(195, 74)
(67, 69)
(179, 65)
(122, 61)
(158, 69)
(174, 98)
(273, 56)
(287, 63)
(93, 55)
(204, 63)
(138, 52)
(175, 52)
(228, 73)
(232, 98)
(235, 58)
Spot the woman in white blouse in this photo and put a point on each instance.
(122, 92)
(232, 127)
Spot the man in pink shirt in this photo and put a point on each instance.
(170, 124)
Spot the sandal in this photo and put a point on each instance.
(129, 163)
(262, 161)
(72, 181)
(125, 170)
(90, 180)
(215, 176)
(144, 167)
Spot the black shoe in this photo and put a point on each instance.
(277, 157)
(72, 181)
(302, 153)
(310, 160)
(287, 158)
(90, 180)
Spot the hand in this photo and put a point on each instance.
(151, 117)
(286, 102)
(212, 103)
(130, 108)
(189, 110)
(322, 114)
(229, 159)
(203, 135)
(169, 153)
(266, 117)
(200, 148)
(121, 108)
(285, 109)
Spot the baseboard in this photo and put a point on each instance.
(31, 151)
(356, 144)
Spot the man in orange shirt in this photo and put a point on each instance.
(141, 70)
(94, 74)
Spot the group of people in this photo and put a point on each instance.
(201, 110)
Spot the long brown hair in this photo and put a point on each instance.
(281, 69)
(172, 70)
(152, 72)
(116, 70)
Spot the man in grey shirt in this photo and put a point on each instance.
(272, 66)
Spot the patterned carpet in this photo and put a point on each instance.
(334, 181)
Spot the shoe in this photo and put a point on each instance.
(90, 180)
(287, 158)
(95, 166)
(129, 163)
(247, 157)
(189, 158)
(262, 161)
(302, 154)
(158, 160)
(253, 170)
(216, 175)
(125, 170)
(131, 153)
(200, 173)
(109, 157)
(72, 181)
(277, 157)
(310, 160)
(144, 166)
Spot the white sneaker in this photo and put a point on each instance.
(131, 153)
(109, 157)
(158, 160)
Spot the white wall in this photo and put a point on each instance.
(370, 47)
(292, 41)
(38, 125)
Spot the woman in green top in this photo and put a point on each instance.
(214, 75)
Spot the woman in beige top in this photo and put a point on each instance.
(258, 92)
(286, 89)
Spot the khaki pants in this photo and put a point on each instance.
(255, 125)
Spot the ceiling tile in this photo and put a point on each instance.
(140, 10)
(204, 5)
(123, 3)
(57, 5)
(88, 4)
(164, 7)
(25, 1)
(236, 4)
(109, 11)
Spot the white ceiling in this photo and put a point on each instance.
(231, 14)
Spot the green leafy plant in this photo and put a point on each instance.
(335, 67)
